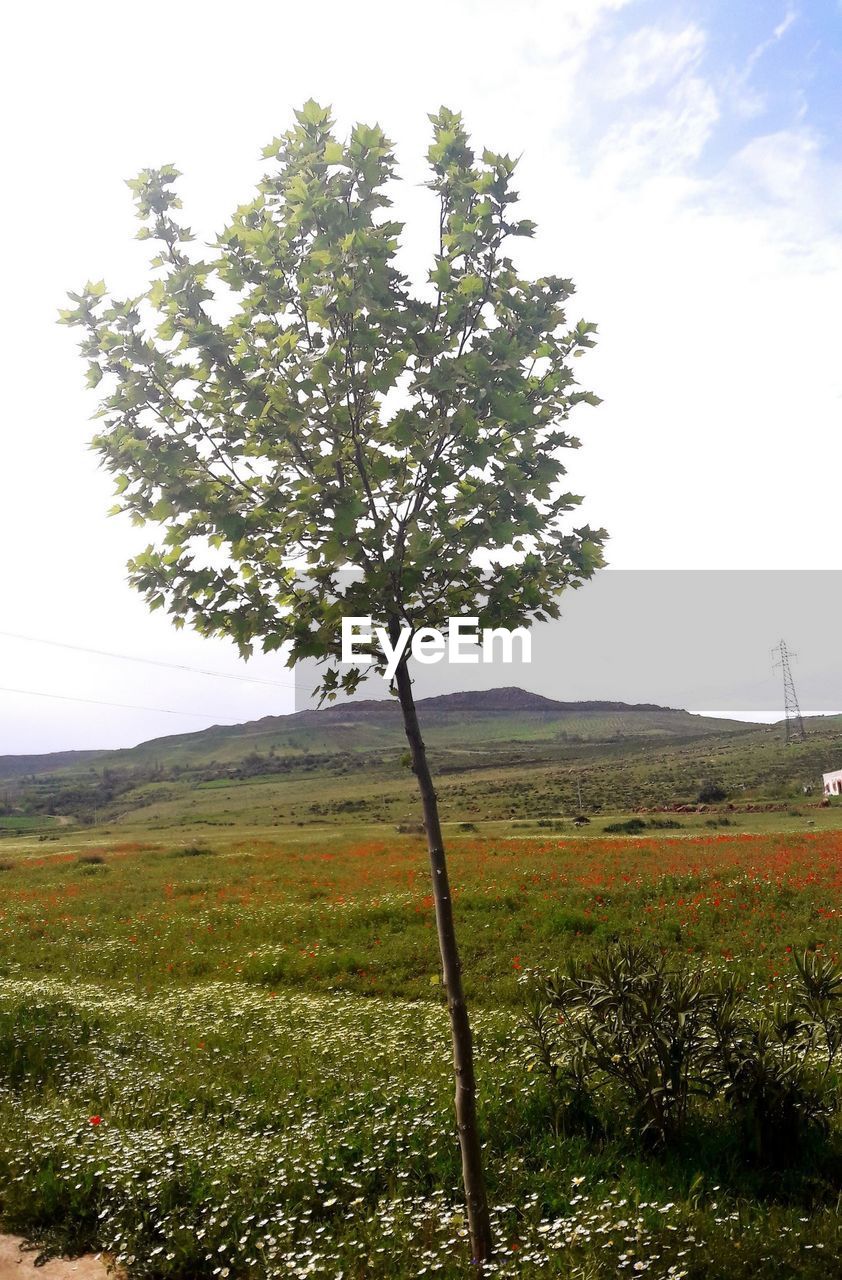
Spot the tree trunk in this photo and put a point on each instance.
(463, 1053)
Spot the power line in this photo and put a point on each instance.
(97, 702)
(151, 662)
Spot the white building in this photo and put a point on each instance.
(833, 783)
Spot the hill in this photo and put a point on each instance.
(497, 751)
(500, 715)
(23, 766)
(500, 754)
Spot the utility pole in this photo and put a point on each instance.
(794, 729)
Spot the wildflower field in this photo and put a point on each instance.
(232, 1058)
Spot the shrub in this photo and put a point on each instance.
(819, 999)
(636, 1024)
(777, 1095)
(631, 827)
(641, 1039)
(572, 1098)
(775, 1063)
(712, 792)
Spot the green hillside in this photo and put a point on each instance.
(497, 715)
(499, 755)
(503, 715)
(54, 762)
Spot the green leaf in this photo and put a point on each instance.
(313, 114)
(471, 286)
(334, 153)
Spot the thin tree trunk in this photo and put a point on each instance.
(463, 1053)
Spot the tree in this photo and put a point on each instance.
(292, 409)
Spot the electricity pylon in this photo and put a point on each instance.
(794, 724)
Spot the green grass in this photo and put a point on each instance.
(257, 1025)
(20, 822)
(236, 976)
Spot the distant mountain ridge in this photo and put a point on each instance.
(512, 698)
(52, 762)
(474, 701)
(361, 725)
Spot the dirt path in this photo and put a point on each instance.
(17, 1263)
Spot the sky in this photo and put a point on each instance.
(683, 163)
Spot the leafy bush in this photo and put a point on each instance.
(631, 827)
(626, 1019)
(639, 1039)
(763, 1067)
(819, 997)
(711, 792)
(572, 1099)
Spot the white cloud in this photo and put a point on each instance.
(653, 56)
(778, 32)
(667, 137)
(777, 164)
(748, 101)
(786, 179)
(784, 26)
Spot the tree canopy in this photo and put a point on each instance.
(290, 407)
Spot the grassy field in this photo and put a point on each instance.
(225, 1052)
(13, 823)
